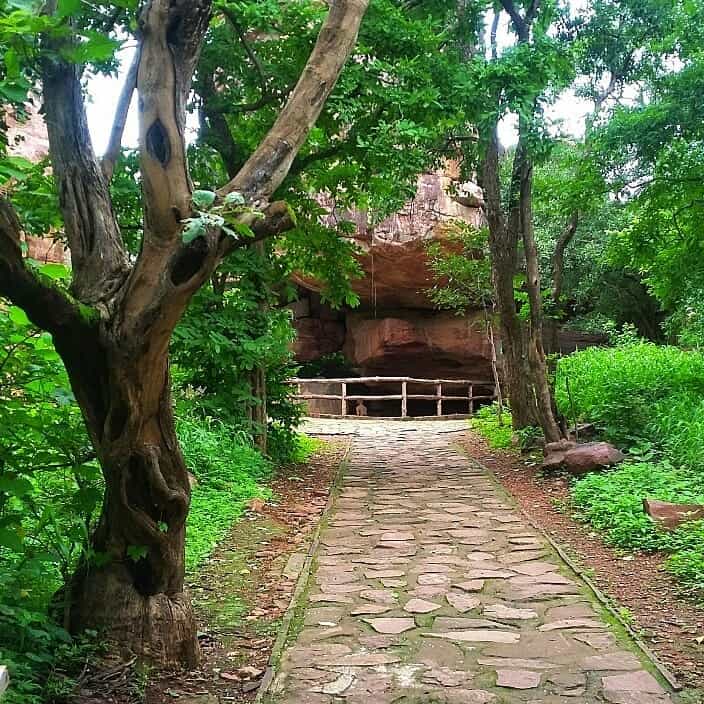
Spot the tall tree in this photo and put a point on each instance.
(518, 80)
(112, 330)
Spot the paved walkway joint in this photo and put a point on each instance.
(429, 587)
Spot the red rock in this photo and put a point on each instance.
(671, 516)
(437, 345)
(584, 458)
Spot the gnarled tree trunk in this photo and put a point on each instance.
(113, 333)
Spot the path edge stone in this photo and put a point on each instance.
(301, 583)
(603, 600)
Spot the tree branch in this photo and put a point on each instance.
(519, 23)
(254, 59)
(558, 257)
(46, 306)
(112, 153)
(98, 257)
(266, 169)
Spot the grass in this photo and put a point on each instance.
(650, 400)
(498, 433)
(229, 472)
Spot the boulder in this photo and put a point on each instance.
(584, 458)
(670, 516)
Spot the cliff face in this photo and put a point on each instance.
(396, 330)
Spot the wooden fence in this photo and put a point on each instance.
(304, 392)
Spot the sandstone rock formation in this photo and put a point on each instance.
(396, 331)
(28, 138)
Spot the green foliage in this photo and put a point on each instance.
(229, 471)
(639, 391)
(50, 487)
(612, 503)
(461, 269)
(650, 398)
(498, 432)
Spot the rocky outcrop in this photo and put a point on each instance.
(580, 459)
(431, 345)
(393, 253)
(395, 330)
(28, 138)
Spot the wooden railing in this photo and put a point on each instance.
(304, 393)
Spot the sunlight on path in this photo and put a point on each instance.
(430, 588)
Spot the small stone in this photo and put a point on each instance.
(433, 578)
(516, 663)
(517, 679)
(473, 585)
(420, 606)
(360, 660)
(571, 623)
(338, 686)
(598, 641)
(391, 625)
(534, 568)
(451, 623)
(462, 602)
(510, 613)
(445, 677)
(370, 609)
(636, 698)
(397, 537)
(383, 596)
(394, 583)
(489, 574)
(478, 636)
(383, 574)
(331, 598)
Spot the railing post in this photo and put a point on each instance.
(471, 400)
(438, 393)
(344, 398)
(404, 399)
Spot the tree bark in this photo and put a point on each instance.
(503, 247)
(536, 353)
(132, 589)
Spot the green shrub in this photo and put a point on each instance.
(650, 399)
(229, 472)
(637, 391)
(498, 433)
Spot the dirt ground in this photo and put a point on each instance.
(637, 583)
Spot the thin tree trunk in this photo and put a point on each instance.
(558, 272)
(503, 247)
(536, 353)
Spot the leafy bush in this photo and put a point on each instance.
(648, 398)
(50, 487)
(638, 391)
(486, 423)
(612, 503)
(228, 471)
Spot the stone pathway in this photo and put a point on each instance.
(429, 588)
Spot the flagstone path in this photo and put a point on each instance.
(428, 587)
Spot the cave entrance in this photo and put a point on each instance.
(393, 397)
